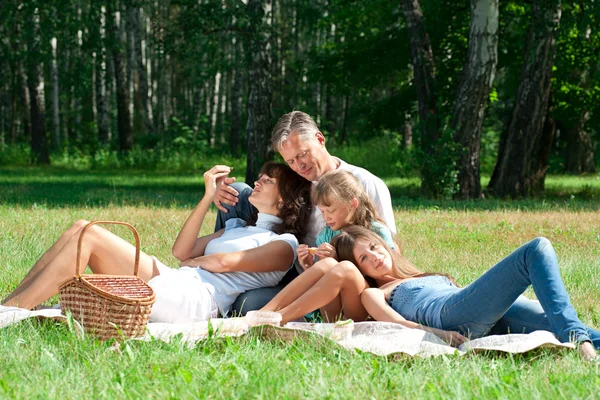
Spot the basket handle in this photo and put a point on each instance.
(88, 226)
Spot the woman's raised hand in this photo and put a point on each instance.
(213, 178)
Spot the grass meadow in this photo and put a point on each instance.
(46, 360)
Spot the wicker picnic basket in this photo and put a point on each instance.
(108, 306)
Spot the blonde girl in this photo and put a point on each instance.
(343, 201)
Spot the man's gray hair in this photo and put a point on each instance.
(297, 122)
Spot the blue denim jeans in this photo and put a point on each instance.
(254, 299)
(493, 303)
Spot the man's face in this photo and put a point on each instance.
(308, 158)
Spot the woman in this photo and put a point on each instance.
(491, 303)
(218, 266)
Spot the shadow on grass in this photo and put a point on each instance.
(57, 188)
(566, 193)
(65, 188)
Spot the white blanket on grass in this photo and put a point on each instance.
(381, 338)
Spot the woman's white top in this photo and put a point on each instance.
(225, 287)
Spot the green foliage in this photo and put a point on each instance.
(439, 171)
(490, 142)
(17, 155)
(383, 156)
(345, 62)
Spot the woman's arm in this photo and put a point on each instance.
(277, 255)
(188, 244)
(376, 305)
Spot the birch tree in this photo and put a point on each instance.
(473, 94)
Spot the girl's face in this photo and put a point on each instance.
(373, 259)
(338, 214)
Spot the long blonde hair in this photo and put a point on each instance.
(342, 186)
(401, 268)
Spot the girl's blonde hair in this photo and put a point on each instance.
(401, 268)
(342, 187)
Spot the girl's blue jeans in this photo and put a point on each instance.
(493, 303)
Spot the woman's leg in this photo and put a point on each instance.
(54, 249)
(343, 280)
(476, 309)
(102, 250)
(300, 285)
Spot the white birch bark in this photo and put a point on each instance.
(102, 100)
(473, 93)
(55, 93)
(214, 108)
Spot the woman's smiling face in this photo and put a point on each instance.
(373, 259)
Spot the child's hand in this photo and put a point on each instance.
(326, 250)
(305, 256)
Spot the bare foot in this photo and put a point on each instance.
(587, 351)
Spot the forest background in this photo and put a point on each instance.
(443, 90)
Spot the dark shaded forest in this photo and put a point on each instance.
(457, 88)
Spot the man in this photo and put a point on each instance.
(302, 146)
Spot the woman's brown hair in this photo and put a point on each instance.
(295, 194)
(401, 268)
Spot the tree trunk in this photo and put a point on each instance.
(101, 92)
(259, 122)
(145, 108)
(473, 94)
(123, 116)
(198, 107)
(545, 146)
(76, 76)
(214, 108)
(35, 81)
(235, 132)
(128, 30)
(516, 170)
(55, 96)
(346, 111)
(424, 72)
(23, 107)
(580, 150)
(407, 133)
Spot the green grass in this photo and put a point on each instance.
(45, 360)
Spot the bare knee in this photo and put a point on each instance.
(346, 271)
(325, 265)
(79, 225)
